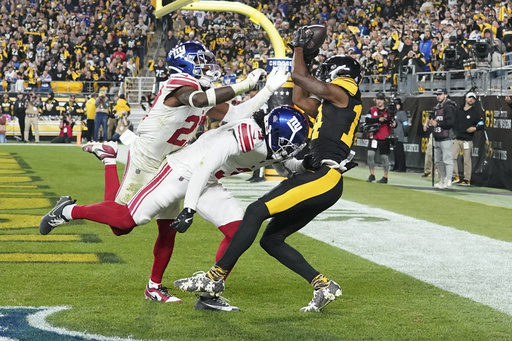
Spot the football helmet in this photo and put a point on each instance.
(193, 58)
(337, 66)
(286, 131)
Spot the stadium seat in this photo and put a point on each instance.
(76, 87)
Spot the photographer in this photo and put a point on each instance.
(101, 119)
(379, 122)
(32, 116)
(66, 130)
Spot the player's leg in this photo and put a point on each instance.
(106, 212)
(106, 153)
(162, 252)
(218, 206)
(285, 223)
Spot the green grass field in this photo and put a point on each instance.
(82, 265)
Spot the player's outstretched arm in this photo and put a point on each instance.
(275, 80)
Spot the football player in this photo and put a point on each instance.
(238, 146)
(336, 105)
(178, 109)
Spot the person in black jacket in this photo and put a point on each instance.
(443, 120)
(19, 111)
(469, 120)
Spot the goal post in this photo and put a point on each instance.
(164, 7)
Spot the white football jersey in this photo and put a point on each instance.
(166, 129)
(231, 149)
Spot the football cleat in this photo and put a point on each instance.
(200, 283)
(160, 294)
(323, 297)
(102, 151)
(213, 303)
(55, 218)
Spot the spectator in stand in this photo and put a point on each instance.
(161, 74)
(170, 41)
(90, 112)
(50, 105)
(119, 53)
(45, 81)
(7, 105)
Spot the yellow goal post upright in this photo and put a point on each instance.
(164, 7)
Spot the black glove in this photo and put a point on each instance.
(312, 162)
(301, 37)
(349, 166)
(183, 220)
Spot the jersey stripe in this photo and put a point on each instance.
(181, 80)
(138, 199)
(245, 137)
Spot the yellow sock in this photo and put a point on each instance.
(320, 282)
(216, 273)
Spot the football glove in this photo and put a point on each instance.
(311, 162)
(301, 37)
(183, 220)
(277, 77)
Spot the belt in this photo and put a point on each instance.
(31, 115)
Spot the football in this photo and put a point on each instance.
(319, 35)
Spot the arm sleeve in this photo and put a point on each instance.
(246, 109)
(223, 148)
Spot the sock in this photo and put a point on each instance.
(162, 251)
(228, 230)
(108, 161)
(154, 285)
(106, 212)
(216, 273)
(66, 212)
(111, 181)
(320, 282)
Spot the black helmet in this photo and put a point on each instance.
(337, 66)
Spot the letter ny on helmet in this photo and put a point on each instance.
(337, 66)
(193, 58)
(286, 131)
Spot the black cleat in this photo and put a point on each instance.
(205, 301)
(55, 218)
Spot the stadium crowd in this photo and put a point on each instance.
(387, 37)
(105, 41)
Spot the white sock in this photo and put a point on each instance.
(109, 161)
(66, 211)
(154, 285)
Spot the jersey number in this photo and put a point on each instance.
(175, 138)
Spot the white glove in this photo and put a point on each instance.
(277, 78)
(249, 82)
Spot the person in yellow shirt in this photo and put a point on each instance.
(90, 111)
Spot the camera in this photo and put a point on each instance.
(482, 48)
(391, 106)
